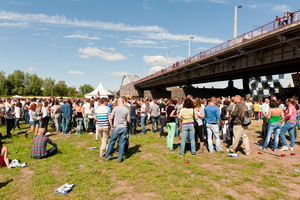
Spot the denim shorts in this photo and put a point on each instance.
(34, 123)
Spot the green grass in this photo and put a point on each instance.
(149, 171)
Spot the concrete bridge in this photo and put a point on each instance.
(267, 50)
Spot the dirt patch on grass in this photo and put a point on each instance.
(23, 182)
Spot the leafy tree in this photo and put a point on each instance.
(60, 89)
(71, 92)
(48, 85)
(15, 82)
(86, 88)
(2, 83)
(33, 85)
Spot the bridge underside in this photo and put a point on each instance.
(273, 53)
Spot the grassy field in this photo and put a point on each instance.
(149, 171)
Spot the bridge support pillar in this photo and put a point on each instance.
(246, 86)
(157, 93)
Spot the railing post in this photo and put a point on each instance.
(262, 30)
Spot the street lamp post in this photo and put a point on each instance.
(235, 20)
(190, 38)
(168, 57)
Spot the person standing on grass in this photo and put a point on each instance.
(9, 117)
(290, 125)
(66, 116)
(274, 125)
(121, 117)
(86, 111)
(133, 118)
(212, 115)
(224, 118)
(187, 116)
(154, 111)
(171, 124)
(45, 115)
(17, 115)
(57, 116)
(103, 124)
(199, 111)
(239, 130)
(162, 117)
(79, 117)
(143, 116)
(4, 161)
(91, 118)
(265, 112)
(34, 120)
(39, 148)
(256, 110)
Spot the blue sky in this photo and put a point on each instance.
(92, 41)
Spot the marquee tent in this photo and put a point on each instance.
(102, 90)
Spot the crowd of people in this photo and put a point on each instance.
(197, 120)
(287, 18)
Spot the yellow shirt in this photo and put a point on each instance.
(256, 107)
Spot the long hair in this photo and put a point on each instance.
(0, 146)
(188, 103)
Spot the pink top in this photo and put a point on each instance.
(292, 118)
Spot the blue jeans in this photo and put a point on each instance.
(288, 126)
(176, 128)
(143, 123)
(155, 120)
(273, 127)
(58, 124)
(188, 130)
(65, 125)
(132, 125)
(17, 123)
(27, 117)
(213, 129)
(163, 124)
(79, 122)
(116, 133)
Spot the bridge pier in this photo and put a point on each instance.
(246, 86)
(157, 93)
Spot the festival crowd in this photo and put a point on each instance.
(197, 120)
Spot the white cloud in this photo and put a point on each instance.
(137, 42)
(62, 20)
(30, 69)
(86, 36)
(155, 69)
(160, 60)
(118, 74)
(90, 43)
(218, 1)
(76, 72)
(180, 37)
(93, 51)
(281, 8)
(18, 24)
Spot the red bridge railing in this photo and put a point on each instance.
(230, 43)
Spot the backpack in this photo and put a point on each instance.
(246, 119)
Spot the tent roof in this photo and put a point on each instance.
(101, 89)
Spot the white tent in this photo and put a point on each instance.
(16, 97)
(101, 89)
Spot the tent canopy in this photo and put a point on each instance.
(101, 89)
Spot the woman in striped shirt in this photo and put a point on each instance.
(187, 116)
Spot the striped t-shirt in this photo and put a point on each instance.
(187, 116)
(102, 113)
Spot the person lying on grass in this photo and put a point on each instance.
(3, 156)
(39, 149)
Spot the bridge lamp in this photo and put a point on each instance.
(235, 20)
(167, 57)
(190, 38)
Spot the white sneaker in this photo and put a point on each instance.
(47, 134)
(284, 148)
(91, 133)
(291, 148)
(15, 163)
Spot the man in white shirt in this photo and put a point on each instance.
(86, 109)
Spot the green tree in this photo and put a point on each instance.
(60, 89)
(48, 85)
(86, 88)
(71, 92)
(33, 85)
(3, 90)
(15, 82)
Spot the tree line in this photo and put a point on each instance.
(25, 84)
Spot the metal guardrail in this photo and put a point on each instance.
(230, 43)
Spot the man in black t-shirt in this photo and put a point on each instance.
(162, 117)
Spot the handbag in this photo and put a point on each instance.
(222, 122)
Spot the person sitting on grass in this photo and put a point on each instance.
(39, 148)
(3, 156)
